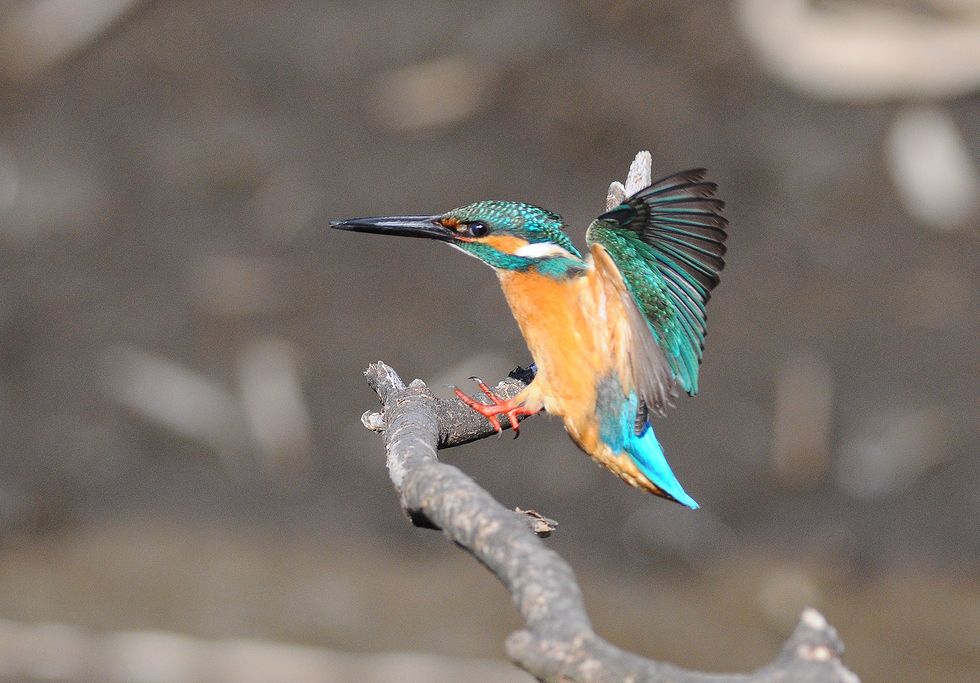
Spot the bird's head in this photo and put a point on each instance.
(505, 235)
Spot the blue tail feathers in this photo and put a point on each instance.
(649, 458)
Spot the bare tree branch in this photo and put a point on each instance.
(558, 643)
(459, 423)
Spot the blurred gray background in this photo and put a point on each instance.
(186, 491)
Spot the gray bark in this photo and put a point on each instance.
(558, 643)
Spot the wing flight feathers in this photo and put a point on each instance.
(667, 244)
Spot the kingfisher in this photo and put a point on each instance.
(615, 335)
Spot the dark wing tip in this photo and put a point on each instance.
(689, 191)
(683, 219)
(675, 180)
(691, 175)
(622, 214)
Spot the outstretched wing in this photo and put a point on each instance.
(667, 243)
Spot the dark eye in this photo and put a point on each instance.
(477, 228)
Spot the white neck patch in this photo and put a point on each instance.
(542, 250)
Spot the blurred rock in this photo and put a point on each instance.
(784, 592)
(49, 651)
(239, 285)
(38, 34)
(275, 408)
(150, 657)
(893, 449)
(178, 398)
(55, 194)
(802, 421)
(937, 181)
(863, 52)
(69, 653)
(430, 94)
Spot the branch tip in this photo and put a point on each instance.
(541, 526)
(373, 420)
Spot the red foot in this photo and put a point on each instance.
(497, 407)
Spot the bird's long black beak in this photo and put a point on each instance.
(406, 226)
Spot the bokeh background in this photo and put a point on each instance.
(186, 491)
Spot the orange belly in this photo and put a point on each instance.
(572, 331)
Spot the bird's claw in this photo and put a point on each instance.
(497, 407)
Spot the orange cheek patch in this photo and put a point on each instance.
(507, 244)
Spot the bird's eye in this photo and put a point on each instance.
(478, 228)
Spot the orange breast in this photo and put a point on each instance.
(560, 324)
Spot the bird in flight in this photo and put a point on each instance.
(614, 335)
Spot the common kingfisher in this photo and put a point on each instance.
(614, 335)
